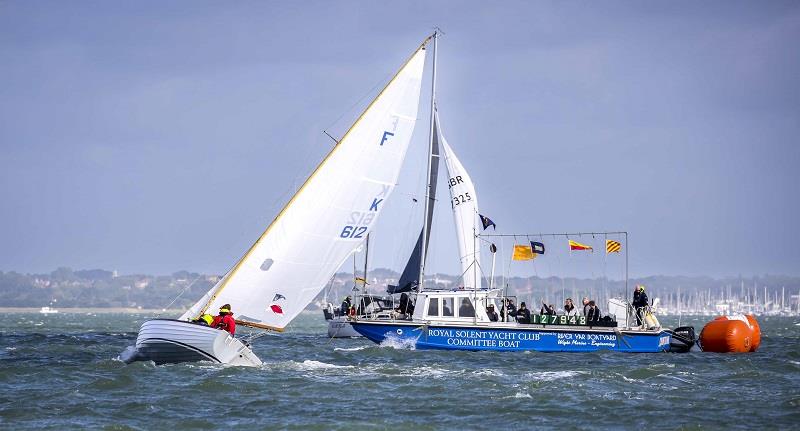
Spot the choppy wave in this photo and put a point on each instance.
(351, 349)
(311, 365)
(548, 376)
(66, 373)
(399, 343)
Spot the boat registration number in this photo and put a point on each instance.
(545, 319)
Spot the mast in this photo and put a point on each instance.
(474, 274)
(366, 261)
(425, 227)
(625, 294)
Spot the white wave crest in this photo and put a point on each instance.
(488, 372)
(350, 349)
(311, 365)
(435, 372)
(399, 343)
(549, 376)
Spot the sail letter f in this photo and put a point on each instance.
(385, 137)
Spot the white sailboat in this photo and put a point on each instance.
(311, 237)
(48, 310)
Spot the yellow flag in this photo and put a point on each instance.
(613, 246)
(523, 252)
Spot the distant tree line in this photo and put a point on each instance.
(65, 287)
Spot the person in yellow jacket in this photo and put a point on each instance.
(205, 320)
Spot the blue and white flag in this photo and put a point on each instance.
(486, 221)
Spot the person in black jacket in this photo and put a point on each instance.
(491, 313)
(406, 306)
(639, 303)
(592, 313)
(509, 311)
(585, 303)
(345, 308)
(523, 314)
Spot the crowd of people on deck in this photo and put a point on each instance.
(509, 312)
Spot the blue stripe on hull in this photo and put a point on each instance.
(502, 339)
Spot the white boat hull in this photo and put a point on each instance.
(170, 341)
(340, 327)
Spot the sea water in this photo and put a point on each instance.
(62, 372)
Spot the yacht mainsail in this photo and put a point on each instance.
(329, 216)
(464, 203)
(410, 278)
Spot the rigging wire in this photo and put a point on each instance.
(180, 294)
(369, 92)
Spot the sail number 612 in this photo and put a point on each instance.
(353, 232)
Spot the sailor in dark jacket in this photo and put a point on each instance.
(491, 313)
(585, 303)
(345, 308)
(639, 303)
(509, 311)
(523, 314)
(592, 313)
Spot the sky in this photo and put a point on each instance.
(151, 137)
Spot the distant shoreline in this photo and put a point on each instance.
(123, 310)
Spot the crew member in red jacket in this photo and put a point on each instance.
(225, 319)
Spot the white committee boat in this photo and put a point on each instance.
(312, 236)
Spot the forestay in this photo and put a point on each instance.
(464, 203)
(329, 217)
(410, 278)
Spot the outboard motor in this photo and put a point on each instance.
(683, 339)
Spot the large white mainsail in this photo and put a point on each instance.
(329, 217)
(464, 203)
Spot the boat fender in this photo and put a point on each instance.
(352, 312)
(651, 321)
(730, 334)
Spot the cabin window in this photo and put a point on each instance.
(433, 307)
(465, 309)
(447, 307)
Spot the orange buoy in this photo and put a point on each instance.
(731, 334)
(756, 341)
